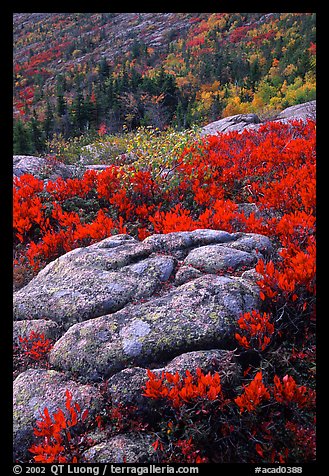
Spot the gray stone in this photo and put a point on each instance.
(126, 388)
(123, 448)
(252, 243)
(121, 309)
(93, 281)
(106, 276)
(203, 237)
(252, 275)
(197, 315)
(23, 329)
(185, 274)
(242, 122)
(187, 239)
(219, 258)
(176, 244)
(303, 111)
(33, 391)
(214, 360)
(242, 251)
(231, 123)
(40, 167)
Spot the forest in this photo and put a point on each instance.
(66, 84)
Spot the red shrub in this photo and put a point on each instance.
(57, 445)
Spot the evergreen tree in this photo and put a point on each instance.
(78, 113)
(48, 123)
(104, 69)
(254, 73)
(36, 136)
(166, 84)
(109, 92)
(21, 139)
(61, 105)
(180, 116)
(216, 109)
(90, 113)
(206, 70)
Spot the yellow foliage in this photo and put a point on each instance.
(257, 103)
(300, 91)
(76, 53)
(284, 86)
(235, 106)
(275, 102)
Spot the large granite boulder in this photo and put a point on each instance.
(200, 314)
(93, 281)
(242, 122)
(120, 306)
(103, 278)
(231, 123)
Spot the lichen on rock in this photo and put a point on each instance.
(120, 306)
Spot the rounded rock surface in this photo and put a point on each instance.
(197, 315)
(219, 258)
(33, 391)
(50, 329)
(124, 448)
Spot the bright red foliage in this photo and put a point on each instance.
(274, 168)
(257, 329)
(56, 445)
(287, 392)
(35, 346)
(254, 393)
(179, 390)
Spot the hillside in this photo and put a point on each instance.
(75, 73)
(164, 239)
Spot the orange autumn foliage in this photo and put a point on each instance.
(254, 393)
(257, 329)
(180, 390)
(54, 430)
(288, 391)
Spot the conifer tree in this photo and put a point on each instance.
(21, 139)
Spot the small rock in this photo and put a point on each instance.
(252, 243)
(219, 258)
(39, 167)
(24, 328)
(33, 391)
(185, 274)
